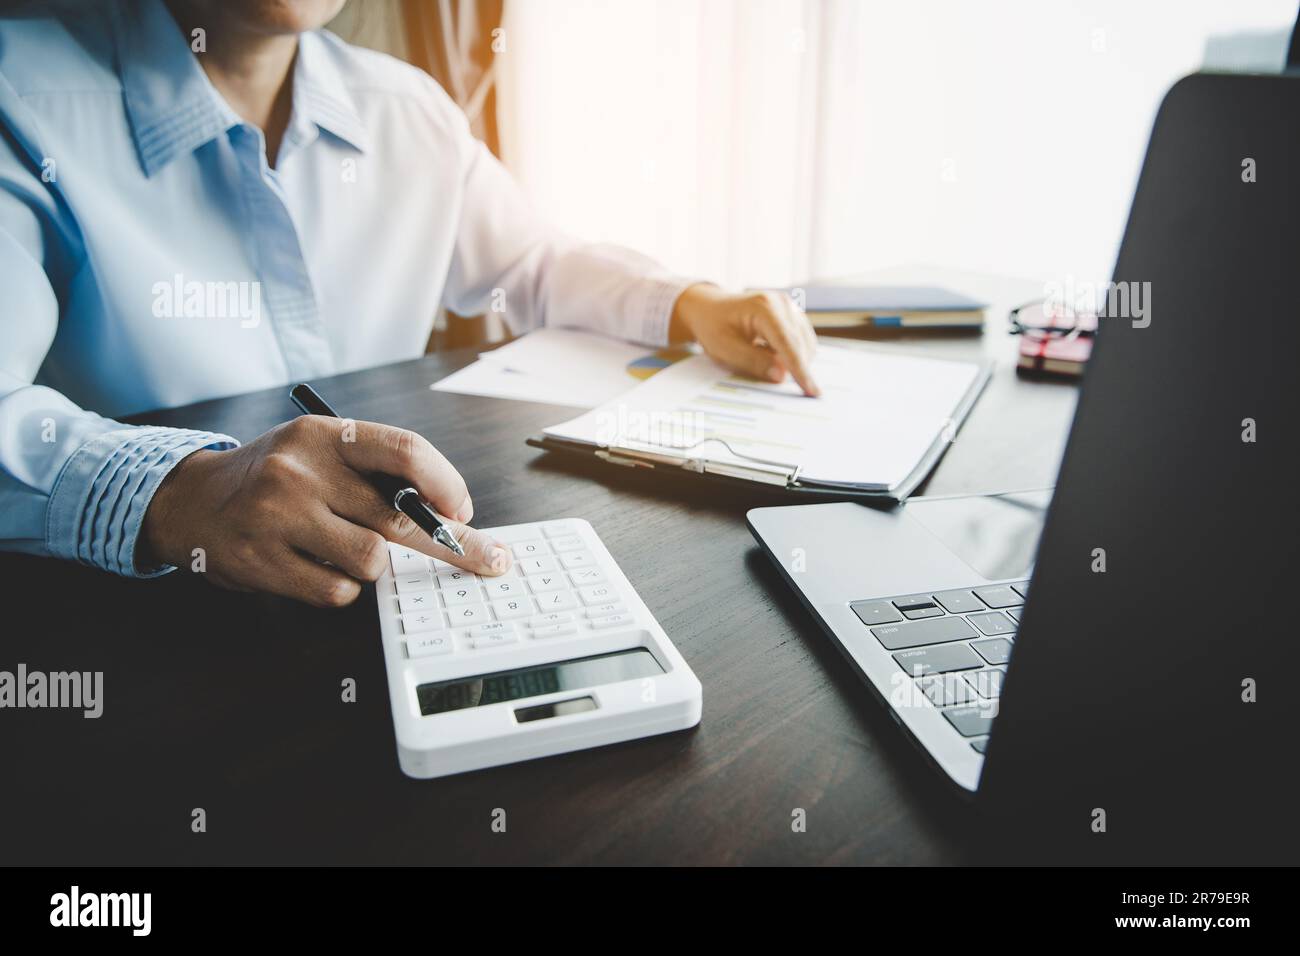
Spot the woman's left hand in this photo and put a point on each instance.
(762, 334)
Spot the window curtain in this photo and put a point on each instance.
(694, 130)
(453, 41)
(767, 142)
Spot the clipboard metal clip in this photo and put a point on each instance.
(621, 453)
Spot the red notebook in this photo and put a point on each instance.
(1058, 355)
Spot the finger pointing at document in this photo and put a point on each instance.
(761, 334)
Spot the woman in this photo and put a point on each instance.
(203, 197)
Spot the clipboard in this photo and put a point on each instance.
(702, 459)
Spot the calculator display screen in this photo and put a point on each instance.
(440, 697)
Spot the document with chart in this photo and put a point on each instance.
(878, 428)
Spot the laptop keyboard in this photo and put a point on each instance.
(954, 645)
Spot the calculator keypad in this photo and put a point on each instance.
(556, 590)
(413, 601)
(423, 621)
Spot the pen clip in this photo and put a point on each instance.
(400, 496)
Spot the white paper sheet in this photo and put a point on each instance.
(556, 366)
(877, 417)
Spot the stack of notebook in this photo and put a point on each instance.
(844, 307)
(1055, 356)
(1055, 342)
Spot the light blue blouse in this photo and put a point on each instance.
(150, 256)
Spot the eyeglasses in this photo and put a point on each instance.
(1051, 320)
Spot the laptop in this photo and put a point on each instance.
(1107, 671)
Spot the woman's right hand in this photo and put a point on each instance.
(267, 514)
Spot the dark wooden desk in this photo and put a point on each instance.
(231, 702)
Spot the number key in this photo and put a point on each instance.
(465, 594)
(457, 578)
(508, 610)
(530, 549)
(468, 614)
(504, 589)
(546, 582)
(557, 601)
(540, 565)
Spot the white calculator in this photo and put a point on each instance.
(558, 654)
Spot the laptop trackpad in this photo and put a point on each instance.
(997, 535)
(845, 552)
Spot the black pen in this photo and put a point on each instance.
(404, 498)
